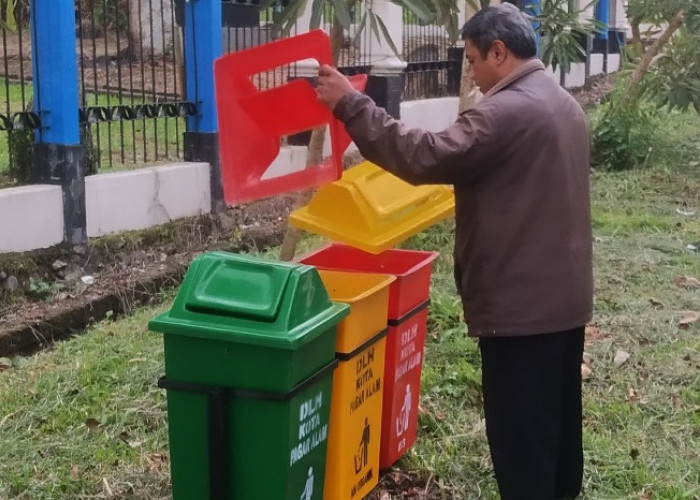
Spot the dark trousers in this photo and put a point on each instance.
(532, 404)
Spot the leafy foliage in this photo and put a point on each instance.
(13, 13)
(622, 138)
(673, 79)
(442, 12)
(561, 31)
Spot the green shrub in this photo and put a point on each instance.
(624, 136)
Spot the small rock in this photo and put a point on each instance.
(586, 372)
(88, 280)
(80, 249)
(72, 272)
(620, 358)
(587, 358)
(11, 284)
(3, 275)
(58, 265)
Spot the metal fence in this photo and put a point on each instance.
(131, 81)
(17, 119)
(433, 66)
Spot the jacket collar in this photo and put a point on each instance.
(525, 69)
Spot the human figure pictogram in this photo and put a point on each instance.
(309, 488)
(362, 456)
(405, 413)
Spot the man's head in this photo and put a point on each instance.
(498, 39)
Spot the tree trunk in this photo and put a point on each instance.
(179, 52)
(314, 156)
(636, 37)
(469, 93)
(150, 28)
(135, 29)
(643, 67)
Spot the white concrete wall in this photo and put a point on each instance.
(613, 63)
(146, 197)
(430, 114)
(30, 217)
(290, 159)
(597, 64)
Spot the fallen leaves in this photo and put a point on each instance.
(5, 364)
(687, 282)
(92, 424)
(688, 319)
(594, 333)
(156, 462)
(620, 358)
(655, 302)
(107, 489)
(586, 366)
(124, 436)
(676, 400)
(634, 397)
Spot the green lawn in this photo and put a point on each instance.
(11, 94)
(85, 419)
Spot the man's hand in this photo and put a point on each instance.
(332, 86)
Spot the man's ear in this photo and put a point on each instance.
(499, 50)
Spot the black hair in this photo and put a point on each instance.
(504, 22)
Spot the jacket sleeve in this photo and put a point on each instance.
(453, 156)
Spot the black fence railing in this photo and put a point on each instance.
(17, 118)
(131, 78)
(432, 69)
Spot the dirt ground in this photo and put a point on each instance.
(49, 293)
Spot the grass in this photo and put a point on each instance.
(10, 94)
(85, 419)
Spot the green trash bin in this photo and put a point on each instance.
(249, 359)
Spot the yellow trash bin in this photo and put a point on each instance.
(373, 210)
(352, 464)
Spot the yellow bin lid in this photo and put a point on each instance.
(372, 209)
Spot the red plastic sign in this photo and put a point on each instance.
(252, 122)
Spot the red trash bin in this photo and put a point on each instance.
(409, 297)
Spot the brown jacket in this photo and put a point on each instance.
(519, 163)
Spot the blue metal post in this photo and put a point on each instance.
(602, 14)
(55, 70)
(532, 8)
(58, 157)
(202, 48)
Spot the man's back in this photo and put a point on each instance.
(523, 238)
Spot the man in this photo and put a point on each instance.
(519, 163)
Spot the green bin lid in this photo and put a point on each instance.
(239, 299)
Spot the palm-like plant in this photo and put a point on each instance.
(561, 32)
